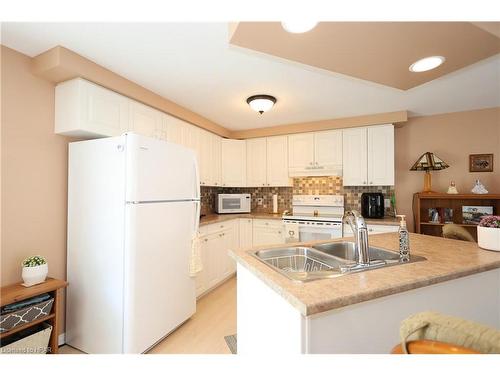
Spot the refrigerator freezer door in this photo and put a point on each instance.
(159, 293)
(159, 170)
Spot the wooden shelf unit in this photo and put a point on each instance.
(423, 201)
(17, 292)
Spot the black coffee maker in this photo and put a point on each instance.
(372, 205)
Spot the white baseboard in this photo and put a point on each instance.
(61, 340)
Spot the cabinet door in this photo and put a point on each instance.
(300, 153)
(216, 161)
(234, 169)
(354, 156)
(277, 161)
(213, 266)
(205, 143)
(381, 155)
(256, 162)
(246, 241)
(267, 233)
(175, 130)
(228, 242)
(144, 120)
(328, 152)
(201, 277)
(83, 109)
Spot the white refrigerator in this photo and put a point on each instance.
(133, 208)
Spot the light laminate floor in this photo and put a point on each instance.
(204, 333)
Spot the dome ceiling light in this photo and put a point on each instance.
(261, 103)
(427, 63)
(298, 26)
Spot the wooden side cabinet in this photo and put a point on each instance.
(17, 292)
(423, 202)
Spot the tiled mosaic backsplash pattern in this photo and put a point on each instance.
(301, 186)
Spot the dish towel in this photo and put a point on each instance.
(195, 264)
(291, 232)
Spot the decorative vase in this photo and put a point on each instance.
(35, 275)
(488, 238)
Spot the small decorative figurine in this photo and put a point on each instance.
(479, 188)
(452, 189)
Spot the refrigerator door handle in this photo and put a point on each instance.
(197, 217)
(196, 179)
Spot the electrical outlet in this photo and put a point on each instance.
(260, 201)
(387, 202)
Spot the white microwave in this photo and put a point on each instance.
(233, 203)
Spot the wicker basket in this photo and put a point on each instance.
(28, 314)
(33, 340)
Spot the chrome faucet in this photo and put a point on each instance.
(360, 230)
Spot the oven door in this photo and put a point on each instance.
(317, 231)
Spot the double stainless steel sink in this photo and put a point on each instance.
(327, 260)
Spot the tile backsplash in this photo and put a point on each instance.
(301, 186)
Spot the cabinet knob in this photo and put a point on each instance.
(206, 240)
(364, 182)
(371, 182)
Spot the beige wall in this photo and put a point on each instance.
(452, 137)
(34, 165)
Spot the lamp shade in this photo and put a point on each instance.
(429, 162)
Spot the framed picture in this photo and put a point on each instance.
(473, 214)
(481, 163)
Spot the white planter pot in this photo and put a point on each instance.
(488, 238)
(35, 275)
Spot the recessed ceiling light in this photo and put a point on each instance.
(297, 27)
(427, 63)
(261, 103)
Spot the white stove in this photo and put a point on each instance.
(315, 217)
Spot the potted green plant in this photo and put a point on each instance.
(488, 233)
(35, 270)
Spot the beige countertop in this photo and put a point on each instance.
(446, 260)
(216, 218)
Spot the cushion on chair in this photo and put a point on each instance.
(456, 232)
(444, 328)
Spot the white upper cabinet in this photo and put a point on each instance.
(368, 155)
(277, 161)
(176, 130)
(315, 154)
(300, 153)
(216, 161)
(256, 162)
(86, 110)
(145, 120)
(210, 158)
(354, 152)
(381, 155)
(328, 151)
(234, 168)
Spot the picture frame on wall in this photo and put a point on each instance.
(481, 163)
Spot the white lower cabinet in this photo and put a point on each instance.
(267, 232)
(216, 241)
(246, 229)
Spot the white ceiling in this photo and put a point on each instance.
(193, 65)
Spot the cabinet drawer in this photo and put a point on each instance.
(275, 224)
(217, 227)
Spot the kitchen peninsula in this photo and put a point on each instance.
(361, 312)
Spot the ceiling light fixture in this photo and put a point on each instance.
(261, 103)
(427, 63)
(298, 26)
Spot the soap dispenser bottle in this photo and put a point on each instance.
(404, 240)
